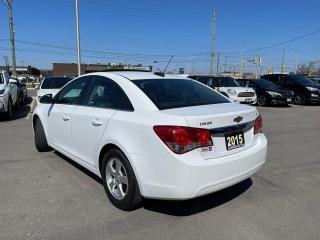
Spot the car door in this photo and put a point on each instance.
(91, 119)
(60, 113)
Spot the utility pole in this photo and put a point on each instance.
(218, 63)
(78, 38)
(282, 64)
(7, 63)
(225, 65)
(13, 51)
(212, 39)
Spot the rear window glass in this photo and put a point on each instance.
(227, 82)
(55, 82)
(177, 93)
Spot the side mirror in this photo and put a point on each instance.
(12, 80)
(46, 99)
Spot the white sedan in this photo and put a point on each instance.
(151, 136)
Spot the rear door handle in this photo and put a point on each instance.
(96, 123)
(65, 118)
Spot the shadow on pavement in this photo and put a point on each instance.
(19, 113)
(197, 205)
(181, 208)
(79, 167)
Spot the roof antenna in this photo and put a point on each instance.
(164, 71)
(162, 74)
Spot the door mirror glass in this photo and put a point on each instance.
(46, 99)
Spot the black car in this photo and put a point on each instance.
(315, 79)
(22, 92)
(305, 90)
(267, 92)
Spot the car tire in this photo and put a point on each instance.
(9, 114)
(299, 99)
(262, 101)
(119, 181)
(17, 106)
(40, 139)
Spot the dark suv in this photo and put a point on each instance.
(305, 91)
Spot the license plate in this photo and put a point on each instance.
(288, 99)
(234, 140)
(248, 100)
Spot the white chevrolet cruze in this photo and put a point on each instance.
(151, 136)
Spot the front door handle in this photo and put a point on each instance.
(96, 123)
(65, 118)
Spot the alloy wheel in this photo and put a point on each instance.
(117, 179)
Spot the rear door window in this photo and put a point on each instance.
(105, 93)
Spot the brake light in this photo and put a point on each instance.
(183, 139)
(258, 125)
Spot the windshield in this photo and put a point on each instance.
(266, 84)
(227, 82)
(177, 93)
(301, 80)
(55, 82)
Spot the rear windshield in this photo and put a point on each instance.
(177, 93)
(265, 84)
(55, 82)
(301, 80)
(227, 82)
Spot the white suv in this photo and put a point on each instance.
(8, 94)
(151, 136)
(230, 88)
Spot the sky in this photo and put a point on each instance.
(149, 32)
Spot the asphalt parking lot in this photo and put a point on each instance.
(46, 196)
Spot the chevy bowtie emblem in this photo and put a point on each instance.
(238, 119)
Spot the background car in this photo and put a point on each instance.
(51, 85)
(22, 92)
(8, 94)
(267, 92)
(305, 90)
(229, 87)
(315, 79)
(151, 136)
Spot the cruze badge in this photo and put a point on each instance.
(238, 119)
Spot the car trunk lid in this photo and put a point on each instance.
(220, 119)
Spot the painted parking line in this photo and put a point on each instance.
(32, 107)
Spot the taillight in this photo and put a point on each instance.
(258, 125)
(183, 139)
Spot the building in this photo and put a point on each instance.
(23, 70)
(71, 69)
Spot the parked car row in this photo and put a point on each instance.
(276, 89)
(229, 87)
(13, 93)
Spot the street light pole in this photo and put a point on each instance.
(13, 50)
(78, 39)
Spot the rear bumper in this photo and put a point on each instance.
(184, 177)
(280, 100)
(250, 100)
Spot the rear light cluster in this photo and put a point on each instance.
(183, 139)
(258, 125)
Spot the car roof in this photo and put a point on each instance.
(136, 75)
